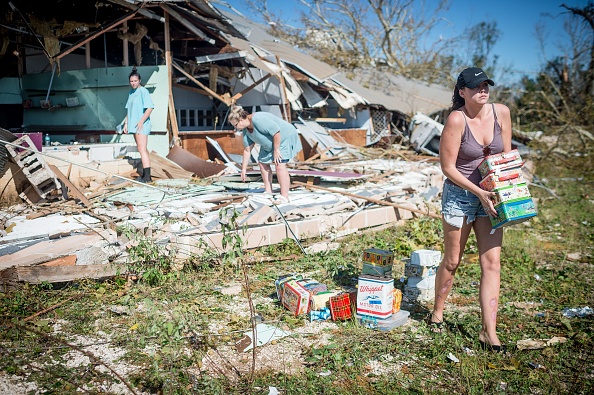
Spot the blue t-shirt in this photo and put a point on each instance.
(266, 125)
(139, 100)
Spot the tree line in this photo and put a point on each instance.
(398, 37)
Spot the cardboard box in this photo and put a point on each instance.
(500, 179)
(499, 162)
(317, 301)
(279, 283)
(513, 212)
(295, 298)
(510, 192)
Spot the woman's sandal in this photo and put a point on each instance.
(502, 348)
(434, 326)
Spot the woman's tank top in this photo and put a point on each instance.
(471, 153)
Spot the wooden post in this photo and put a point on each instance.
(126, 61)
(285, 106)
(171, 103)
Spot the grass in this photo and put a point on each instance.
(164, 329)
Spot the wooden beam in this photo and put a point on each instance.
(369, 199)
(58, 274)
(70, 185)
(226, 100)
(285, 106)
(85, 40)
(191, 89)
(171, 105)
(187, 24)
(336, 120)
(249, 88)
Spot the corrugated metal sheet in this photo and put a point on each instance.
(318, 70)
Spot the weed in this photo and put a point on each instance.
(152, 261)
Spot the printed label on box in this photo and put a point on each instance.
(501, 161)
(511, 192)
(375, 296)
(513, 212)
(501, 179)
(295, 298)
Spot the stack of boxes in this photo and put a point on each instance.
(378, 302)
(420, 272)
(502, 174)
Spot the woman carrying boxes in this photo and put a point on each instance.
(474, 130)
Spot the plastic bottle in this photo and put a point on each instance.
(47, 140)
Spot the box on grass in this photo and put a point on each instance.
(411, 270)
(340, 307)
(295, 298)
(376, 270)
(375, 296)
(425, 258)
(398, 319)
(378, 257)
(418, 294)
(279, 283)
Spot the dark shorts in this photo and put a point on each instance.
(457, 203)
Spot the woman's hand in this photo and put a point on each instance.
(139, 127)
(243, 172)
(277, 156)
(486, 198)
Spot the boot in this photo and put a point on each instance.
(146, 175)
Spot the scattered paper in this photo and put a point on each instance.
(264, 334)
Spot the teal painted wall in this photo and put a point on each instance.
(102, 94)
(10, 91)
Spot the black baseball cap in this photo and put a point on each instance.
(472, 77)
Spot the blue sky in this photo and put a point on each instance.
(518, 47)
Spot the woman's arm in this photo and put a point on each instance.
(504, 117)
(246, 158)
(276, 152)
(147, 113)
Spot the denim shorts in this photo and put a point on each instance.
(457, 203)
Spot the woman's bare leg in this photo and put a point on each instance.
(284, 179)
(489, 246)
(141, 144)
(266, 176)
(454, 243)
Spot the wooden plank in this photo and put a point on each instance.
(69, 260)
(171, 104)
(58, 274)
(70, 185)
(334, 120)
(225, 100)
(49, 249)
(369, 199)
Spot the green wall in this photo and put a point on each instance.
(102, 94)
